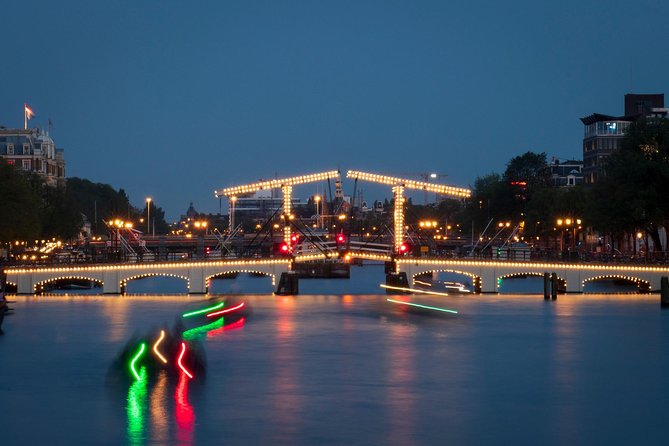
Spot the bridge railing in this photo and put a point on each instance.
(654, 258)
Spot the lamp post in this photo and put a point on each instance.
(231, 222)
(568, 224)
(148, 214)
(317, 200)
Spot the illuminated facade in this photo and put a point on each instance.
(33, 150)
(603, 134)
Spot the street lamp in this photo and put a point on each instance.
(148, 214)
(317, 199)
(569, 223)
(231, 222)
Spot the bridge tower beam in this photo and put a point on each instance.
(287, 192)
(398, 217)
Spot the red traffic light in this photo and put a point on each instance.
(283, 249)
(404, 248)
(341, 238)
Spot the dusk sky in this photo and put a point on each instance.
(173, 99)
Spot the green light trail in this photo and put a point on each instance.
(142, 347)
(446, 310)
(202, 329)
(203, 310)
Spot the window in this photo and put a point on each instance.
(10, 149)
(26, 164)
(26, 149)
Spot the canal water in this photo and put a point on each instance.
(340, 367)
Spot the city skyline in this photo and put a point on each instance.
(177, 101)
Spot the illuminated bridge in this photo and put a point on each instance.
(485, 275)
(114, 278)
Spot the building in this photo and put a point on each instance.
(566, 173)
(33, 150)
(604, 134)
(262, 204)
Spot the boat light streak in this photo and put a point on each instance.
(142, 346)
(181, 355)
(155, 347)
(413, 290)
(203, 310)
(446, 310)
(218, 313)
(234, 326)
(202, 329)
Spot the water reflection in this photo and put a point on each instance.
(286, 396)
(401, 385)
(183, 411)
(159, 418)
(136, 409)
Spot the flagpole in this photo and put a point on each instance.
(25, 117)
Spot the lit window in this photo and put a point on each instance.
(611, 128)
(26, 164)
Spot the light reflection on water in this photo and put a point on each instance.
(346, 369)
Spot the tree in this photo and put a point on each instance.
(632, 193)
(19, 207)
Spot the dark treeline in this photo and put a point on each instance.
(631, 197)
(31, 210)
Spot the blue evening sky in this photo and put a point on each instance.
(173, 99)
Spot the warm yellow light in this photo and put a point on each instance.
(567, 222)
(275, 184)
(342, 217)
(317, 198)
(639, 235)
(578, 221)
(148, 199)
(559, 222)
(409, 184)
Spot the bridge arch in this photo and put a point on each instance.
(562, 282)
(39, 287)
(124, 282)
(476, 279)
(11, 287)
(643, 286)
(237, 271)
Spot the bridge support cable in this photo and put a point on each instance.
(286, 186)
(480, 236)
(314, 239)
(513, 233)
(263, 230)
(398, 186)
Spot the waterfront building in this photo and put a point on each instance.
(261, 204)
(566, 173)
(33, 150)
(603, 134)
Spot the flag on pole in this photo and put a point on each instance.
(27, 114)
